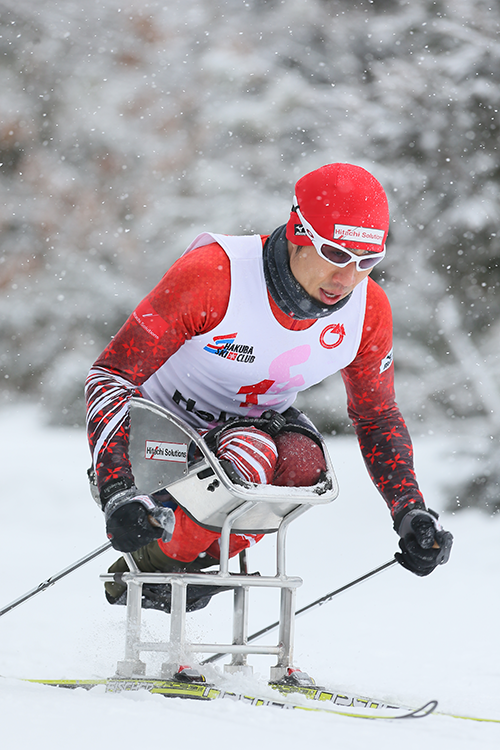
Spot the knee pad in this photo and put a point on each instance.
(252, 453)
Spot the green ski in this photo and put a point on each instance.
(330, 702)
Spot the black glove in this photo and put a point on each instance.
(424, 543)
(134, 520)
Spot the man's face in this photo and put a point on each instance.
(323, 281)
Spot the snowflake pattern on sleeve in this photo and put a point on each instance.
(380, 428)
(108, 396)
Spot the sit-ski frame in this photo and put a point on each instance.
(256, 499)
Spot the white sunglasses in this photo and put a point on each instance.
(338, 255)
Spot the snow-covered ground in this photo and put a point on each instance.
(395, 636)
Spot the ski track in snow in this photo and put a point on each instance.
(396, 637)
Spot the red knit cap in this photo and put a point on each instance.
(343, 203)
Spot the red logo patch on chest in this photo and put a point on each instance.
(332, 336)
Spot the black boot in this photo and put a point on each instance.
(159, 596)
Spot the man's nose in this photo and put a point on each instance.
(346, 274)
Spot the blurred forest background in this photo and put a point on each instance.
(127, 127)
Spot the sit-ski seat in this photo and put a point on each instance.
(161, 452)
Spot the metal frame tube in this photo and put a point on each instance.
(287, 628)
(178, 617)
(240, 624)
(225, 534)
(133, 627)
(281, 538)
(207, 579)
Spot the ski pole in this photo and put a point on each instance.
(312, 605)
(53, 579)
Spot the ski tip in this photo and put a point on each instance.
(419, 713)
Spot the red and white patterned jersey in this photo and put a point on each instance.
(249, 362)
(187, 312)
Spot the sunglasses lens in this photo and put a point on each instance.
(336, 256)
(342, 258)
(365, 263)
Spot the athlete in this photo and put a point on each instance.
(235, 329)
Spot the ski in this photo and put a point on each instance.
(340, 704)
(207, 692)
(351, 700)
(347, 700)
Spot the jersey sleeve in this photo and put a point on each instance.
(380, 428)
(191, 299)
